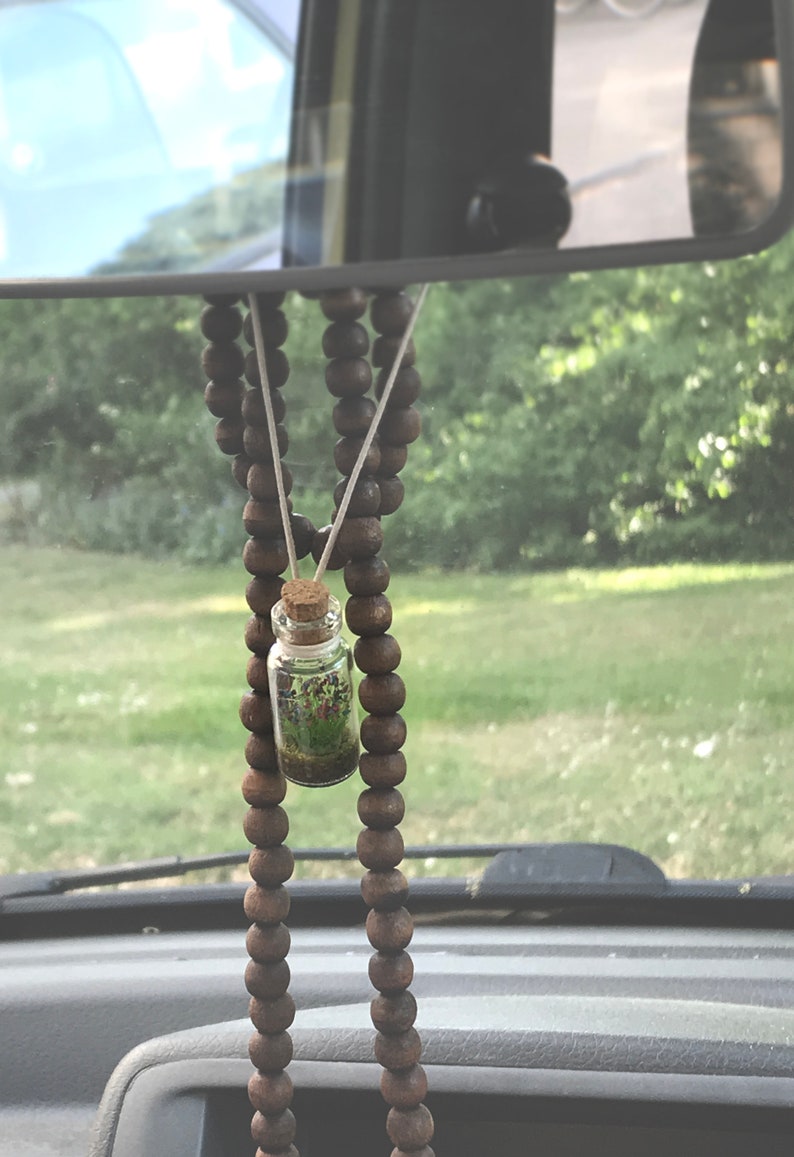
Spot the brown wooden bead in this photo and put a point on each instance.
(273, 1133)
(263, 592)
(399, 427)
(276, 364)
(303, 532)
(368, 614)
(390, 931)
(266, 905)
(256, 713)
(404, 1090)
(425, 1151)
(353, 416)
(253, 407)
(221, 323)
(257, 673)
(267, 943)
(259, 636)
(398, 1052)
(267, 827)
(383, 770)
(263, 519)
(384, 351)
(360, 538)
(226, 299)
(345, 339)
(366, 576)
(406, 389)
(343, 304)
(272, 1016)
(265, 556)
(377, 655)
(270, 1052)
(390, 313)
(275, 328)
(382, 734)
(348, 377)
(381, 808)
(223, 361)
(337, 559)
(270, 1092)
(229, 435)
(365, 499)
(256, 443)
(384, 891)
(381, 694)
(346, 452)
(263, 788)
(267, 981)
(261, 481)
(271, 866)
(392, 1014)
(224, 399)
(392, 460)
(240, 467)
(380, 851)
(391, 973)
(260, 752)
(392, 493)
(410, 1129)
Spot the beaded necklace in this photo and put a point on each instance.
(369, 489)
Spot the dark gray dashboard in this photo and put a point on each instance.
(672, 1037)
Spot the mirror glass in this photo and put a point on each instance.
(661, 128)
(179, 137)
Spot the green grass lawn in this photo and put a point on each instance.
(648, 707)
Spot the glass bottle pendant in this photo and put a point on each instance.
(311, 687)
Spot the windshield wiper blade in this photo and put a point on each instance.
(511, 864)
(54, 883)
(570, 883)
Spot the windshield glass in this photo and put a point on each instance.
(592, 573)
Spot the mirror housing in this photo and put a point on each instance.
(407, 141)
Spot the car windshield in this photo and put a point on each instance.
(592, 573)
(592, 569)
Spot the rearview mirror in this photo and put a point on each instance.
(172, 146)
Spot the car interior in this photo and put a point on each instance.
(472, 993)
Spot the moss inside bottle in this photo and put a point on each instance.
(311, 687)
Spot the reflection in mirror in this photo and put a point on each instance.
(142, 136)
(179, 136)
(667, 126)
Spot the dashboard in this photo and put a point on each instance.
(563, 1040)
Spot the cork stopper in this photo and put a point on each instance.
(305, 600)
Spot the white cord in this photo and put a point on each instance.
(371, 432)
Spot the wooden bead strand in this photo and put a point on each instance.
(348, 377)
(402, 423)
(266, 824)
(222, 361)
(382, 692)
(258, 440)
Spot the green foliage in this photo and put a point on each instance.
(625, 415)
(629, 415)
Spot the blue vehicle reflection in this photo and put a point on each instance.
(104, 129)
